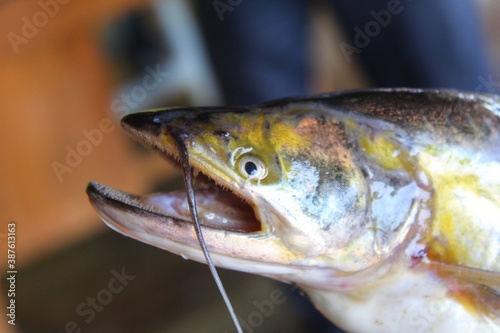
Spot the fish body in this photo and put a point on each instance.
(382, 205)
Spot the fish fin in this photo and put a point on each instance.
(477, 289)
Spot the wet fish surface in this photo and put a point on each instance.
(382, 205)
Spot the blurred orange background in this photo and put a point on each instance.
(58, 84)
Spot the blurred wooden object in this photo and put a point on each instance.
(65, 18)
(55, 87)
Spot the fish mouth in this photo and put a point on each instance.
(234, 230)
(219, 203)
(230, 227)
(162, 220)
(218, 207)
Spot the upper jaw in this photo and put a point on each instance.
(159, 131)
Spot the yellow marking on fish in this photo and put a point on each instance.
(351, 124)
(452, 227)
(286, 135)
(256, 140)
(387, 153)
(167, 139)
(454, 236)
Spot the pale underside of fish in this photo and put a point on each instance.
(382, 205)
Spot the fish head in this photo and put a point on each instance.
(280, 193)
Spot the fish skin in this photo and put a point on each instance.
(379, 204)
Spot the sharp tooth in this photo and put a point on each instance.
(195, 172)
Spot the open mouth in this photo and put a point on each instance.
(217, 207)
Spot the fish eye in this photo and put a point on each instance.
(252, 168)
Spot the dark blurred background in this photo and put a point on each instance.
(70, 69)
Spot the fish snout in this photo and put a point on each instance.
(147, 123)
